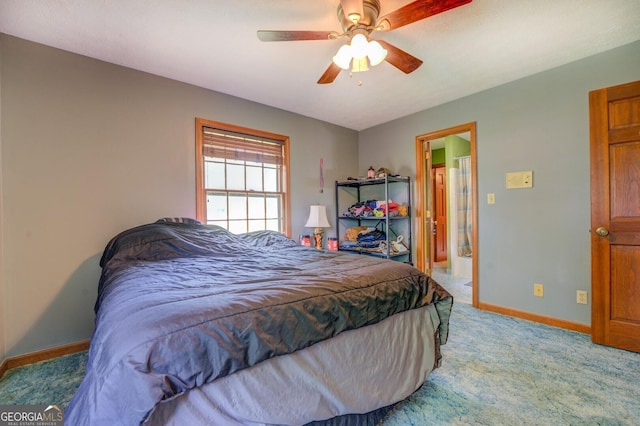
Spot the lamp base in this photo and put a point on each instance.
(318, 235)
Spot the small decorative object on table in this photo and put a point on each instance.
(318, 220)
(305, 240)
(371, 172)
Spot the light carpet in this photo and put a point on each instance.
(499, 370)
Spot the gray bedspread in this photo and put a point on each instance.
(180, 305)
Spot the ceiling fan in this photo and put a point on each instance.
(359, 19)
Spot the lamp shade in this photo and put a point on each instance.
(376, 53)
(317, 217)
(343, 57)
(359, 45)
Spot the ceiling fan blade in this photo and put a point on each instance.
(330, 74)
(350, 7)
(267, 35)
(400, 59)
(416, 11)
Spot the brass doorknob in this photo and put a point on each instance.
(602, 231)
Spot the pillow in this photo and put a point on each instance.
(266, 239)
(179, 220)
(164, 240)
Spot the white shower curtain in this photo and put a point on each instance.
(464, 207)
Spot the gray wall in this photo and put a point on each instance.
(539, 123)
(90, 149)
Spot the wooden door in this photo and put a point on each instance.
(430, 241)
(615, 215)
(440, 212)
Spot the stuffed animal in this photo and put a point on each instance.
(402, 210)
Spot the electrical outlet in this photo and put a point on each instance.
(538, 290)
(582, 297)
(491, 198)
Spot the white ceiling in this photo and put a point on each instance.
(213, 44)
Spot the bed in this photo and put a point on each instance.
(195, 325)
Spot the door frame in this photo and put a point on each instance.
(423, 184)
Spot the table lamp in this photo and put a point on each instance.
(318, 220)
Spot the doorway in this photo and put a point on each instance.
(443, 148)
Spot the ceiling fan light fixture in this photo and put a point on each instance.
(376, 53)
(359, 50)
(343, 57)
(360, 65)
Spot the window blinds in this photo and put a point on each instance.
(218, 143)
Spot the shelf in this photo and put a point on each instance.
(382, 189)
(378, 181)
(374, 218)
(373, 253)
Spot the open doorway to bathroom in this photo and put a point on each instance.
(446, 208)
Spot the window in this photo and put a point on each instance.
(242, 178)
